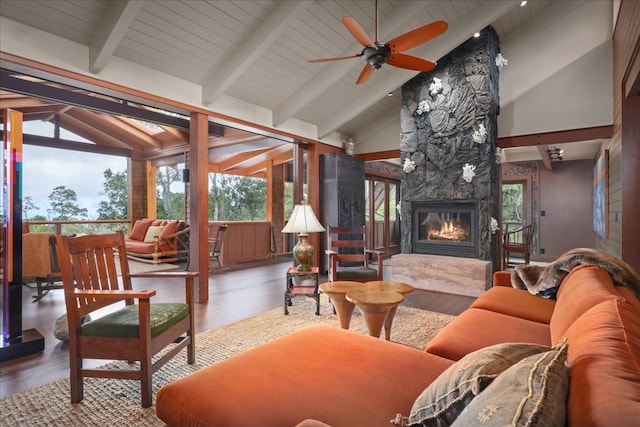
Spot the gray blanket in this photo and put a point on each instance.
(544, 281)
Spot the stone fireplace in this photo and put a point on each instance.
(450, 180)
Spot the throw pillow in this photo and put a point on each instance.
(533, 392)
(152, 232)
(140, 229)
(445, 398)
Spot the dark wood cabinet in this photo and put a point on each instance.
(343, 193)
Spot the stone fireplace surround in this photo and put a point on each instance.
(446, 128)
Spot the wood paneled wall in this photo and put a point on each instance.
(626, 39)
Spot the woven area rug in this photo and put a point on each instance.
(117, 402)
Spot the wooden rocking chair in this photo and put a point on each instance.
(133, 332)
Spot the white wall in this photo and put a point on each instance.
(559, 76)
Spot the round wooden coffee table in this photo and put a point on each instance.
(375, 305)
(387, 285)
(337, 291)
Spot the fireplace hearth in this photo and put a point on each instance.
(445, 228)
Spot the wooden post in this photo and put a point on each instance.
(199, 206)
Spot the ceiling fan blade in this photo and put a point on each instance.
(417, 36)
(410, 62)
(335, 58)
(365, 74)
(357, 31)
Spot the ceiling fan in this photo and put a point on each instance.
(377, 53)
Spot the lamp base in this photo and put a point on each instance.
(303, 252)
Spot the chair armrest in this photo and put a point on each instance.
(166, 274)
(89, 293)
(375, 252)
(173, 235)
(187, 275)
(502, 278)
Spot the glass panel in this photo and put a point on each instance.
(512, 205)
(394, 218)
(367, 205)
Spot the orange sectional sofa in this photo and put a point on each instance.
(329, 376)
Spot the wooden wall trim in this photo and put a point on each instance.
(558, 137)
(379, 155)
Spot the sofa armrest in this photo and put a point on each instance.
(502, 278)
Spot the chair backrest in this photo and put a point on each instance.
(349, 242)
(521, 236)
(92, 262)
(217, 244)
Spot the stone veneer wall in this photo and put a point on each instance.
(437, 136)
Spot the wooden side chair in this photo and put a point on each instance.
(131, 332)
(517, 241)
(215, 246)
(349, 257)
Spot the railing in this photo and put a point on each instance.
(244, 240)
(99, 226)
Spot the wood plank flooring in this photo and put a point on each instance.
(234, 294)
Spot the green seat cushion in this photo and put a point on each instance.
(124, 322)
(359, 272)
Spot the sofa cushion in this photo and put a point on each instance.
(152, 232)
(138, 246)
(583, 288)
(604, 358)
(443, 400)
(170, 228)
(139, 229)
(533, 392)
(324, 373)
(477, 328)
(517, 303)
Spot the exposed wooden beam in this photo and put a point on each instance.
(66, 96)
(64, 144)
(542, 149)
(559, 137)
(114, 23)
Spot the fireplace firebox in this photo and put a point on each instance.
(445, 227)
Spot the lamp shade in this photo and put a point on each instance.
(303, 220)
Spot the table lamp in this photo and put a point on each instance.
(303, 221)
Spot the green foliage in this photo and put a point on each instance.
(176, 207)
(165, 176)
(63, 205)
(512, 203)
(28, 205)
(115, 188)
(234, 198)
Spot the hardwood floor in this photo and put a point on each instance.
(234, 294)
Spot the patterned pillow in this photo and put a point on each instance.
(531, 393)
(152, 232)
(445, 398)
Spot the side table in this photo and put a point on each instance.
(375, 305)
(297, 284)
(337, 291)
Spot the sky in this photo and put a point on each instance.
(46, 168)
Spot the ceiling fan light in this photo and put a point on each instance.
(376, 57)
